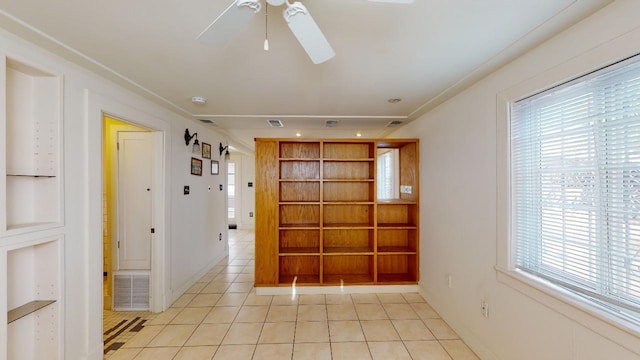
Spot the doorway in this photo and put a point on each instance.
(128, 153)
(231, 195)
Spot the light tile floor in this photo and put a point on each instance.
(221, 317)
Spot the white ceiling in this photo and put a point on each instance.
(424, 53)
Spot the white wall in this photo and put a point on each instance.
(187, 230)
(459, 211)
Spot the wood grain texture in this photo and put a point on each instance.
(298, 169)
(348, 191)
(299, 191)
(266, 233)
(299, 238)
(327, 228)
(348, 150)
(409, 170)
(348, 169)
(346, 239)
(298, 149)
(299, 215)
(353, 215)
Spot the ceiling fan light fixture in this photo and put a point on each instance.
(308, 33)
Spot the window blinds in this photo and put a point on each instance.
(575, 186)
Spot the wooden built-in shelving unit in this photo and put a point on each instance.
(319, 218)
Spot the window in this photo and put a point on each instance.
(575, 186)
(388, 173)
(231, 191)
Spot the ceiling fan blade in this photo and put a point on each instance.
(394, 1)
(233, 19)
(308, 33)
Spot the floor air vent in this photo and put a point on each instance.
(131, 292)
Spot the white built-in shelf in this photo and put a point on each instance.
(32, 175)
(27, 309)
(30, 130)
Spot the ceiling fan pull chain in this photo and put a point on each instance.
(266, 27)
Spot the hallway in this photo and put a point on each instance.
(221, 317)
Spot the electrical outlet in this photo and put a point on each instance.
(484, 307)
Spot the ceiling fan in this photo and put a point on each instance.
(305, 29)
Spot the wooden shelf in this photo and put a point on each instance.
(288, 280)
(299, 251)
(300, 227)
(396, 250)
(330, 160)
(346, 226)
(331, 229)
(396, 226)
(348, 279)
(348, 250)
(396, 202)
(27, 309)
(388, 279)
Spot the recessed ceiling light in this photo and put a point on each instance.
(394, 100)
(199, 100)
(358, 134)
(298, 134)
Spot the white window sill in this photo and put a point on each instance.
(592, 317)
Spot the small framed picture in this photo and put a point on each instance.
(215, 167)
(196, 166)
(206, 150)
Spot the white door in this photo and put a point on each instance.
(134, 200)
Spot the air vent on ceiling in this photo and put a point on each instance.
(275, 123)
(394, 123)
(208, 122)
(331, 123)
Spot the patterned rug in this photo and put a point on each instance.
(122, 326)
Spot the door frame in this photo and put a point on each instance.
(97, 106)
(156, 288)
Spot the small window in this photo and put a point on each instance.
(231, 191)
(388, 173)
(575, 187)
